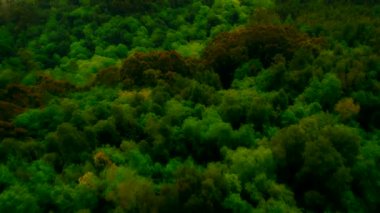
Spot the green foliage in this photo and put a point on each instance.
(280, 198)
(77, 50)
(235, 203)
(36, 120)
(176, 111)
(327, 92)
(249, 163)
(191, 49)
(315, 149)
(128, 191)
(73, 198)
(8, 76)
(366, 170)
(189, 106)
(7, 178)
(83, 12)
(248, 69)
(6, 42)
(114, 51)
(18, 199)
(71, 141)
(298, 111)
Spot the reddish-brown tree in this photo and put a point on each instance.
(165, 61)
(231, 49)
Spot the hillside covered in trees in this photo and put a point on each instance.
(189, 106)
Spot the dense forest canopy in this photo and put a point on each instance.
(189, 106)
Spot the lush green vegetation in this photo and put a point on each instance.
(189, 106)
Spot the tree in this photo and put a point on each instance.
(366, 172)
(109, 77)
(237, 204)
(40, 121)
(71, 142)
(74, 197)
(17, 198)
(326, 92)
(229, 50)
(249, 163)
(165, 61)
(79, 51)
(313, 150)
(6, 42)
(128, 191)
(106, 132)
(369, 108)
(346, 108)
(205, 137)
(7, 178)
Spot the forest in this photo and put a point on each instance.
(243, 106)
